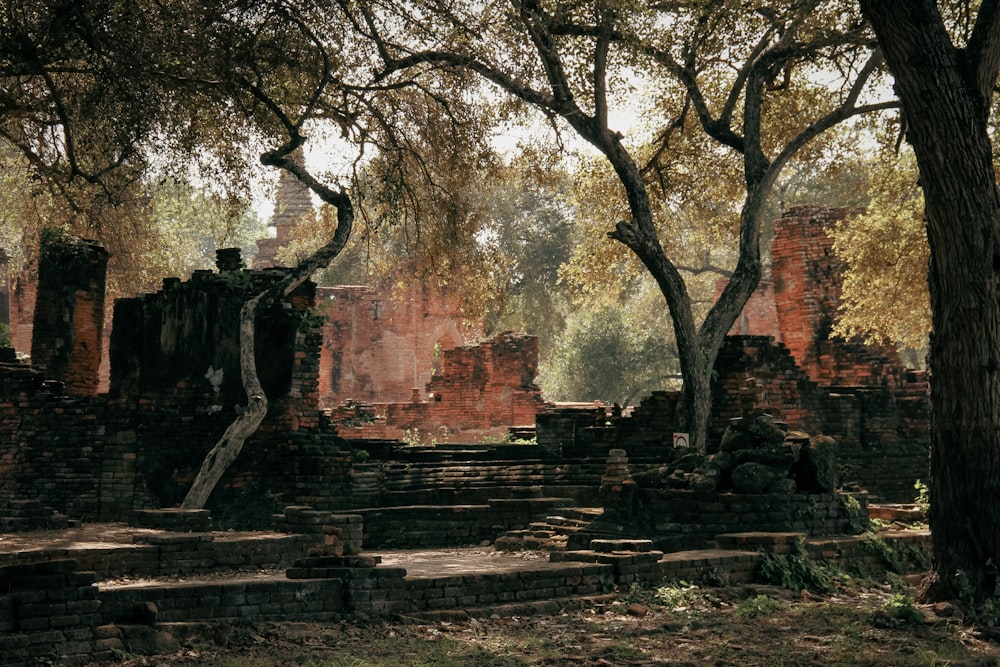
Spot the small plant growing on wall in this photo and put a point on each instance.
(923, 498)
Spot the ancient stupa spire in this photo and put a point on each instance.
(293, 200)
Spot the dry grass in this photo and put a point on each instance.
(677, 625)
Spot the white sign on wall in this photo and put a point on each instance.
(681, 440)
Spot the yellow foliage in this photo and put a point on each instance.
(885, 297)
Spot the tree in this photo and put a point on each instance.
(93, 89)
(530, 232)
(607, 354)
(884, 298)
(732, 79)
(946, 87)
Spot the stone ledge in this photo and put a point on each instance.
(172, 518)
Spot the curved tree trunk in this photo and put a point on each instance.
(246, 424)
(945, 93)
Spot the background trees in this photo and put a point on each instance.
(611, 354)
(885, 298)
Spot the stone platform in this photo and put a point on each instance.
(70, 592)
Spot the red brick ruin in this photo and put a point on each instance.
(819, 383)
(391, 366)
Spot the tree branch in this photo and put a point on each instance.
(984, 51)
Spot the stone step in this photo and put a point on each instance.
(575, 514)
(550, 532)
(563, 521)
(778, 543)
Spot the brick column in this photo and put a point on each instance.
(808, 281)
(69, 312)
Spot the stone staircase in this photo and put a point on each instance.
(366, 488)
(549, 532)
(24, 515)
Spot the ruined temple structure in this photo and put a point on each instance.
(174, 388)
(379, 344)
(293, 201)
(480, 392)
(860, 395)
(384, 346)
(70, 319)
(348, 372)
(797, 303)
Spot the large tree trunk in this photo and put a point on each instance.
(246, 424)
(946, 110)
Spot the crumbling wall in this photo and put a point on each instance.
(51, 443)
(176, 388)
(378, 345)
(183, 339)
(24, 293)
(175, 368)
(808, 279)
(882, 431)
(481, 391)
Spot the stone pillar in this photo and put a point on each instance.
(24, 291)
(228, 259)
(69, 312)
(807, 279)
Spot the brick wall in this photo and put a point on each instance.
(379, 345)
(98, 457)
(24, 292)
(175, 387)
(481, 391)
(807, 285)
(49, 615)
(183, 340)
(50, 442)
(883, 431)
(760, 314)
(689, 520)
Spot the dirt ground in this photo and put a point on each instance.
(675, 625)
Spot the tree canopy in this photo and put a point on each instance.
(885, 298)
